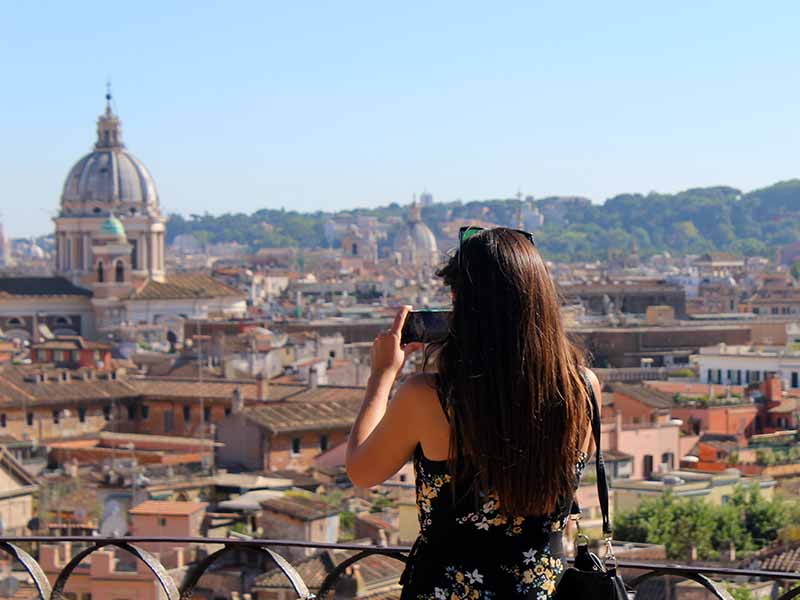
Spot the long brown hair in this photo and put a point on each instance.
(510, 378)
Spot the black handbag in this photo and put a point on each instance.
(590, 578)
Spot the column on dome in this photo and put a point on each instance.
(87, 259)
(147, 254)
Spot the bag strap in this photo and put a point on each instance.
(600, 466)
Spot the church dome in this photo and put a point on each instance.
(416, 241)
(109, 178)
(418, 236)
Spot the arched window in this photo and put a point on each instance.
(355, 249)
(100, 273)
(119, 272)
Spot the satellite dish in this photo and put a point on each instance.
(113, 523)
(9, 587)
(33, 524)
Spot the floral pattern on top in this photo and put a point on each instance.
(488, 553)
(489, 515)
(460, 585)
(429, 485)
(537, 573)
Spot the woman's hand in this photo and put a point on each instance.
(387, 356)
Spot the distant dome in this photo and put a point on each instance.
(420, 237)
(112, 227)
(416, 241)
(109, 178)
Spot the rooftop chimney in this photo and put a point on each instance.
(313, 378)
(772, 388)
(238, 400)
(262, 388)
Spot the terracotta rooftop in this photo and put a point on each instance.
(330, 393)
(18, 385)
(70, 342)
(375, 570)
(214, 388)
(645, 395)
(184, 286)
(300, 507)
(785, 559)
(167, 508)
(40, 286)
(291, 416)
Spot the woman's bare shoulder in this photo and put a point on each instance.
(421, 389)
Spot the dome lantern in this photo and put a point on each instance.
(109, 128)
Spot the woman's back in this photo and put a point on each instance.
(469, 547)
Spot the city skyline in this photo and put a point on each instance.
(365, 106)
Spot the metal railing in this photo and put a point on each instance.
(184, 589)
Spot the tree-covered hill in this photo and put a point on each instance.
(692, 221)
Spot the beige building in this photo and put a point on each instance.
(715, 488)
(17, 488)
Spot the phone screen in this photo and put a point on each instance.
(425, 326)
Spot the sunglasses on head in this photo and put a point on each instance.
(464, 233)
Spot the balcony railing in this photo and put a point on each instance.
(183, 590)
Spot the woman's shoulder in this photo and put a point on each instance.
(421, 390)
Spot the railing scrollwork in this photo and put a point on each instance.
(184, 591)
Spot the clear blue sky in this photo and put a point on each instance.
(312, 105)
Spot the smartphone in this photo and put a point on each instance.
(425, 326)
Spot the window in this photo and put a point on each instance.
(206, 414)
(41, 355)
(2, 420)
(719, 375)
(730, 376)
(162, 522)
(710, 375)
(145, 412)
(134, 253)
(725, 499)
(56, 416)
(97, 355)
(666, 459)
(168, 418)
(187, 413)
(295, 445)
(227, 410)
(131, 412)
(82, 414)
(323, 442)
(739, 377)
(100, 274)
(107, 413)
(76, 356)
(795, 379)
(29, 419)
(58, 356)
(119, 272)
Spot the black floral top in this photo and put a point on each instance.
(466, 552)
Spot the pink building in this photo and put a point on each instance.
(111, 574)
(653, 446)
(155, 518)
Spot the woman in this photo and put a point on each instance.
(499, 435)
